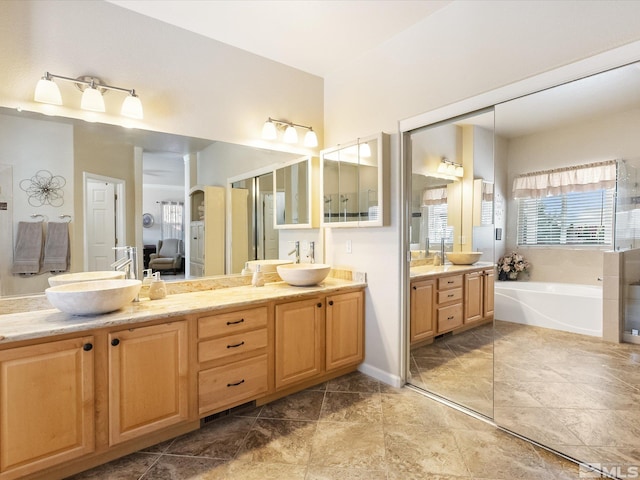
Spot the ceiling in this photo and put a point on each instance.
(316, 36)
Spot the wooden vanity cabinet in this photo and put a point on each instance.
(344, 330)
(449, 306)
(47, 405)
(317, 336)
(148, 379)
(422, 315)
(479, 291)
(299, 341)
(233, 358)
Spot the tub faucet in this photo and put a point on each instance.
(296, 250)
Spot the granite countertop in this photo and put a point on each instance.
(431, 270)
(48, 322)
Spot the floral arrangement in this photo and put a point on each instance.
(509, 266)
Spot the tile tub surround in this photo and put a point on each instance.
(350, 428)
(44, 323)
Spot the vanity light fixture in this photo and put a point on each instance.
(270, 132)
(92, 88)
(447, 167)
(364, 150)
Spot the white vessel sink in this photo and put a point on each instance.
(84, 277)
(267, 266)
(463, 258)
(92, 298)
(303, 274)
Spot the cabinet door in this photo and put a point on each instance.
(197, 242)
(148, 384)
(344, 330)
(473, 296)
(299, 345)
(489, 279)
(46, 405)
(423, 296)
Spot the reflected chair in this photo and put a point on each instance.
(168, 256)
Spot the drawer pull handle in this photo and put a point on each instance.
(450, 318)
(235, 384)
(450, 282)
(236, 345)
(450, 295)
(236, 322)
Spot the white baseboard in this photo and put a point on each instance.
(385, 377)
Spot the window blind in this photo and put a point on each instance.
(172, 220)
(578, 218)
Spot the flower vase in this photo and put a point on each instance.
(502, 276)
(512, 276)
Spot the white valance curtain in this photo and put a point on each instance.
(434, 196)
(580, 178)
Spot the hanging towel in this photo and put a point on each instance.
(56, 248)
(28, 249)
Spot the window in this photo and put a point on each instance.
(172, 220)
(579, 218)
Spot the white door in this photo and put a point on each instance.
(101, 224)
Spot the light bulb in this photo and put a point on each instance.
(290, 135)
(459, 171)
(365, 150)
(47, 91)
(132, 107)
(311, 139)
(442, 168)
(92, 100)
(269, 130)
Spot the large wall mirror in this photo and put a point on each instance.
(553, 378)
(293, 194)
(139, 163)
(447, 160)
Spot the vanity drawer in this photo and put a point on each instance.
(447, 296)
(226, 323)
(454, 281)
(230, 385)
(449, 317)
(229, 345)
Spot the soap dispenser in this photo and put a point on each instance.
(157, 290)
(258, 278)
(147, 276)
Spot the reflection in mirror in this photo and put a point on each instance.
(451, 311)
(352, 182)
(561, 376)
(253, 236)
(69, 147)
(293, 195)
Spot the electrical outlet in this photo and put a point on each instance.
(349, 249)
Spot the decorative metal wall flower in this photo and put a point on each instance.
(44, 188)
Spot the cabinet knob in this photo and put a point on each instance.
(115, 342)
(414, 287)
(330, 302)
(319, 304)
(87, 347)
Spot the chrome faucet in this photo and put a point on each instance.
(296, 250)
(128, 263)
(442, 250)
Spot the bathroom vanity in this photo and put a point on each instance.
(80, 391)
(449, 298)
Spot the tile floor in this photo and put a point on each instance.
(351, 428)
